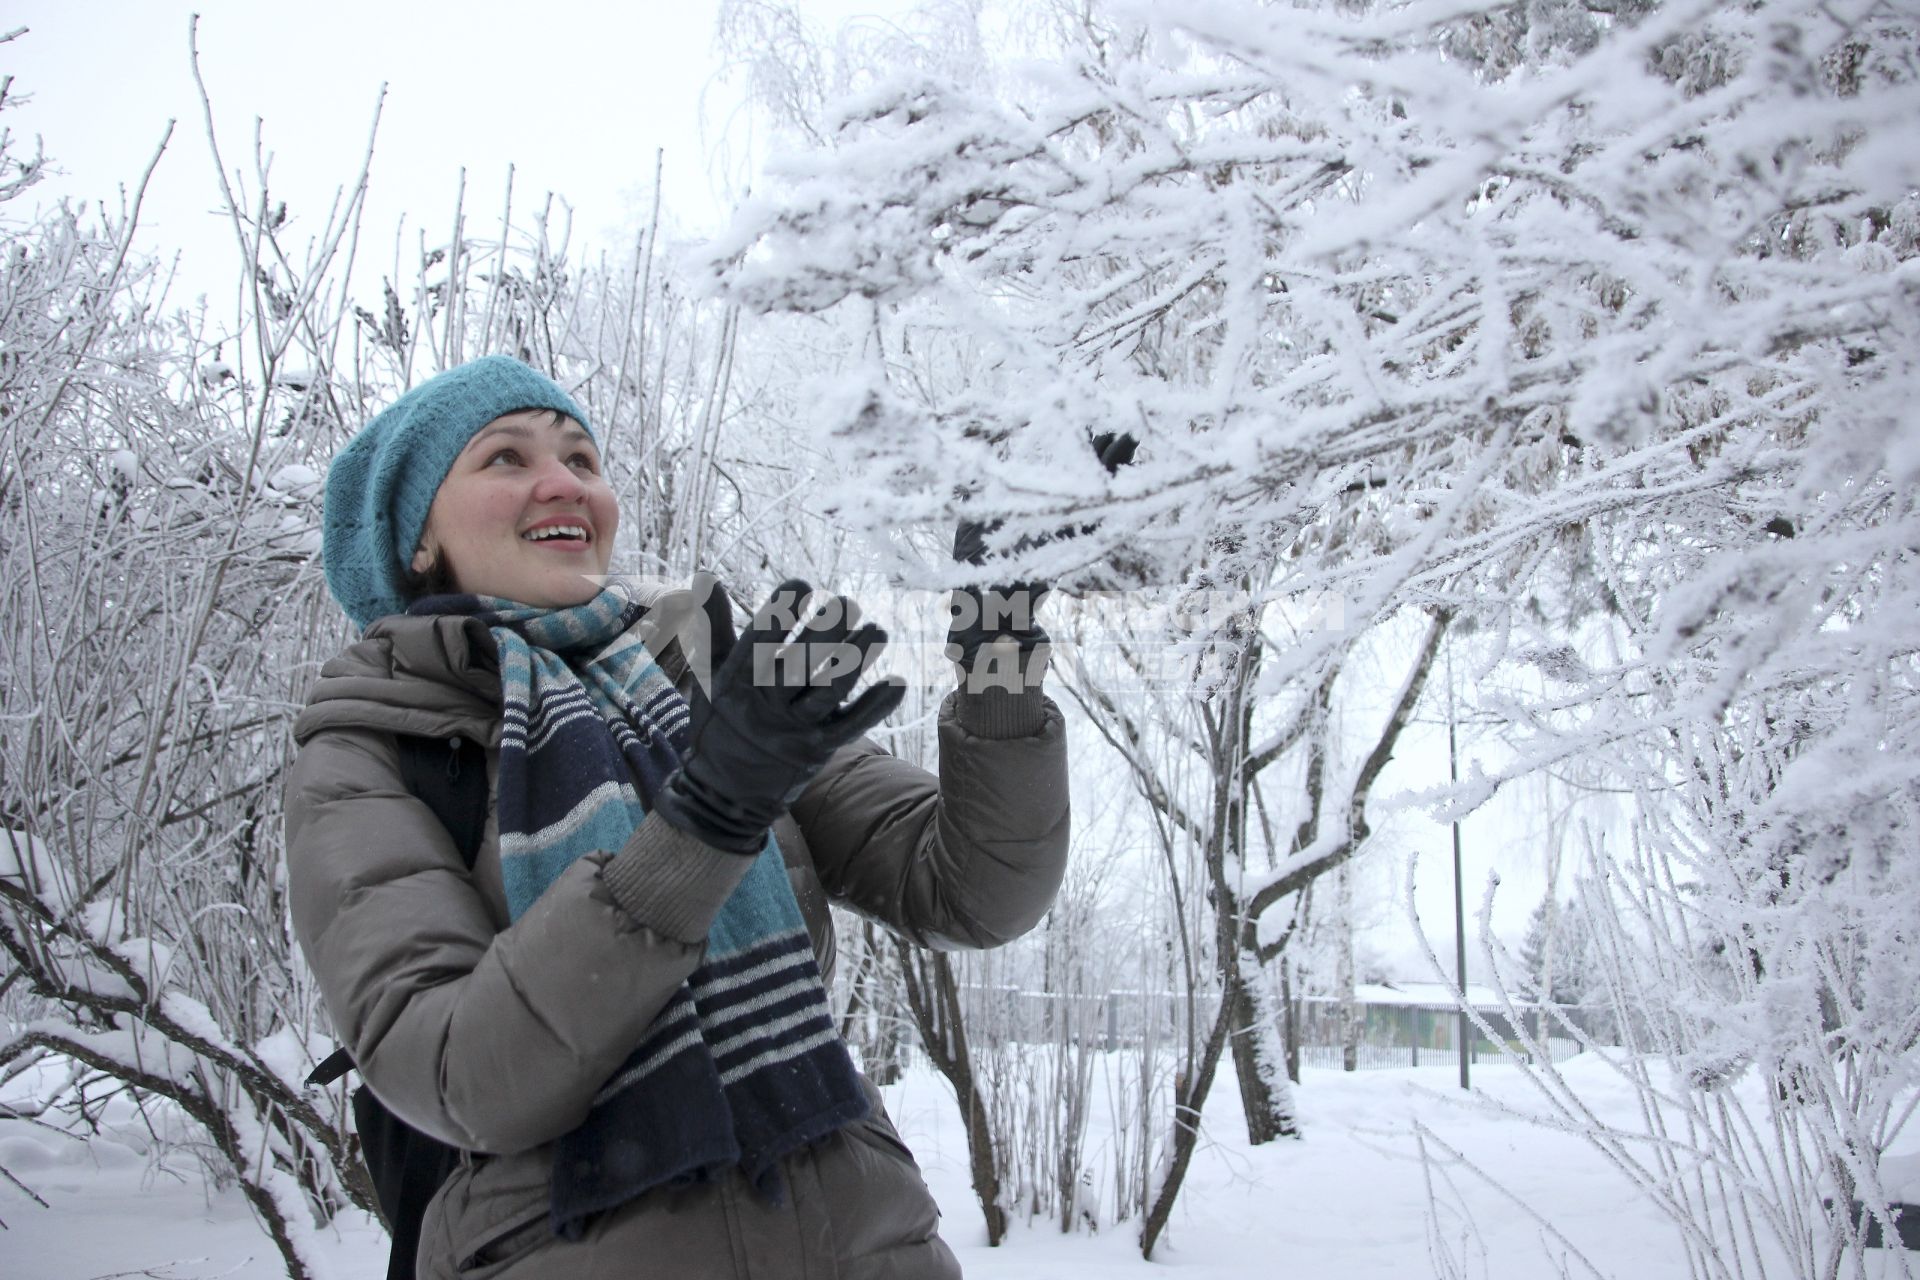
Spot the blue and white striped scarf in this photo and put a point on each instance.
(744, 1064)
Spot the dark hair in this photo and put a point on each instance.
(434, 580)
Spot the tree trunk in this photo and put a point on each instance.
(1189, 1098)
(1259, 1063)
(934, 997)
(889, 1045)
(1344, 976)
(873, 1017)
(1293, 1020)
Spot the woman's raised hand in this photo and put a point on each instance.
(777, 711)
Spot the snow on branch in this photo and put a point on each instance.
(1280, 242)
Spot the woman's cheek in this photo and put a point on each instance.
(606, 518)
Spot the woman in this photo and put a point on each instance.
(620, 1009)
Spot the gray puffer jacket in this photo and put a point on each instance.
(494, 1036)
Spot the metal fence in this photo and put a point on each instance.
(1369, 1056)
(1387, 1035)
(1110, 1020)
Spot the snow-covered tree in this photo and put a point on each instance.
(162, 613)
(1593, 328)
(1556, 950)
(159, 607)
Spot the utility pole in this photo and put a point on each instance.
(1459, 886)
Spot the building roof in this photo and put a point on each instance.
(1426, 995)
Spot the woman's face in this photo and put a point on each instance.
(524, 514)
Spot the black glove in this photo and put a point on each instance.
(774, 715)
(976, 615)
(980, 614)
(1115, 449)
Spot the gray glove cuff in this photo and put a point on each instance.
(1000, 693)
(996, 713)
(670, 881)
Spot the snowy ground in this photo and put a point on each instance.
(1350, 1201)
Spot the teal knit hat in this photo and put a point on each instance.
(380, 486)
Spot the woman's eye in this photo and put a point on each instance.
(586, 461)
(508, 456)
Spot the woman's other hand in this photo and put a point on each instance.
(777, 710)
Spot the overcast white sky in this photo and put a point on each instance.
(578, 95)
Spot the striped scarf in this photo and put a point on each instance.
(743, 1065)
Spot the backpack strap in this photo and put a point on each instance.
(332, 1067)
(449, 775)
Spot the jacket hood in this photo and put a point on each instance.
(438, 677)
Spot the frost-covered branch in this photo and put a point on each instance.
(1311, 855)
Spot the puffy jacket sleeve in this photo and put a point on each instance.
(492, 1039)
(971, 858)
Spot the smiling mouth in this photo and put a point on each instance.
(574, 534)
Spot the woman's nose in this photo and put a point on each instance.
(557, 482)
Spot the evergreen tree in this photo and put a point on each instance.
(1558, 951)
